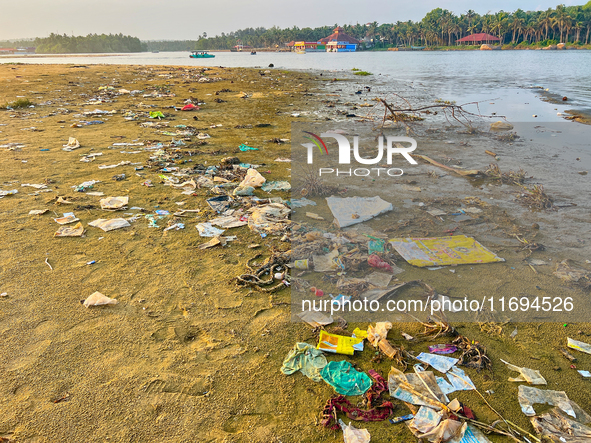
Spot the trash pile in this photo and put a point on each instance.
(425, 387)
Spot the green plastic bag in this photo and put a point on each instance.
(345, 379)
(156, 114)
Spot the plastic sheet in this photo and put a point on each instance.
(438, 362)
(470, 434)
(351, 210)
(109, 225)
(579, 346)
(560, 428)
(345, 379)
(445, 431)
(528, 396)
(425, 420)
(305, 358)
(66, 231)
(339, 344)
(410, 388)
(531, 376)
(114, 202)
(439, 251)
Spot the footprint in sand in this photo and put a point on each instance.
(28, 355)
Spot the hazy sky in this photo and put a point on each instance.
(187, 19)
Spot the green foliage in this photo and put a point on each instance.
(92, 43)
(355, 69)
(439, 28)
(18, 104)
(364, 73)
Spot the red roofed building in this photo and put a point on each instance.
(480, 38)
(340, 41)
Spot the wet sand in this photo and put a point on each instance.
(184, 355)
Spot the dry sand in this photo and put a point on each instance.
(184, 355)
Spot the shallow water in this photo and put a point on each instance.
(458, 75)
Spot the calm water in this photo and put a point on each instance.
(455, 75)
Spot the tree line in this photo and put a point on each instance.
(92, 43)
(440, 27)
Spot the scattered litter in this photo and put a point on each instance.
(98, 299)
(74, 231)
(528, 396)
(351, 210)
(109, 225)
(72, 144)
(531, 376)
(37, 211)
(219, 204)
(34, 186)
(228, 222)
(315, 318)
(207, 230)
(557, 427)
(454, 250)
(66, 219)
(5, 193)
(245, 148)
(114, 202)
(314, 216)
(300, 203)
(305, 358)
(276, 186)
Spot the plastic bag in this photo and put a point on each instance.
(253, 178)
(378, 332)
(531, 376)
(425, 420)
(345, 379)
(354, 435)
(98, 299)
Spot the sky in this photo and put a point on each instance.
(188, 19)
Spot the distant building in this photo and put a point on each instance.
(309, 46)
(7, 50)
(340, 41)
(478, 39)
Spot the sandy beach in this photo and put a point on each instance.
(185, 354)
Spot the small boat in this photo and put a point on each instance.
(201, 54)
(253, 53)
(417, 48)
(300, 51)
(155, 52)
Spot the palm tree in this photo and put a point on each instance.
(562, 19)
